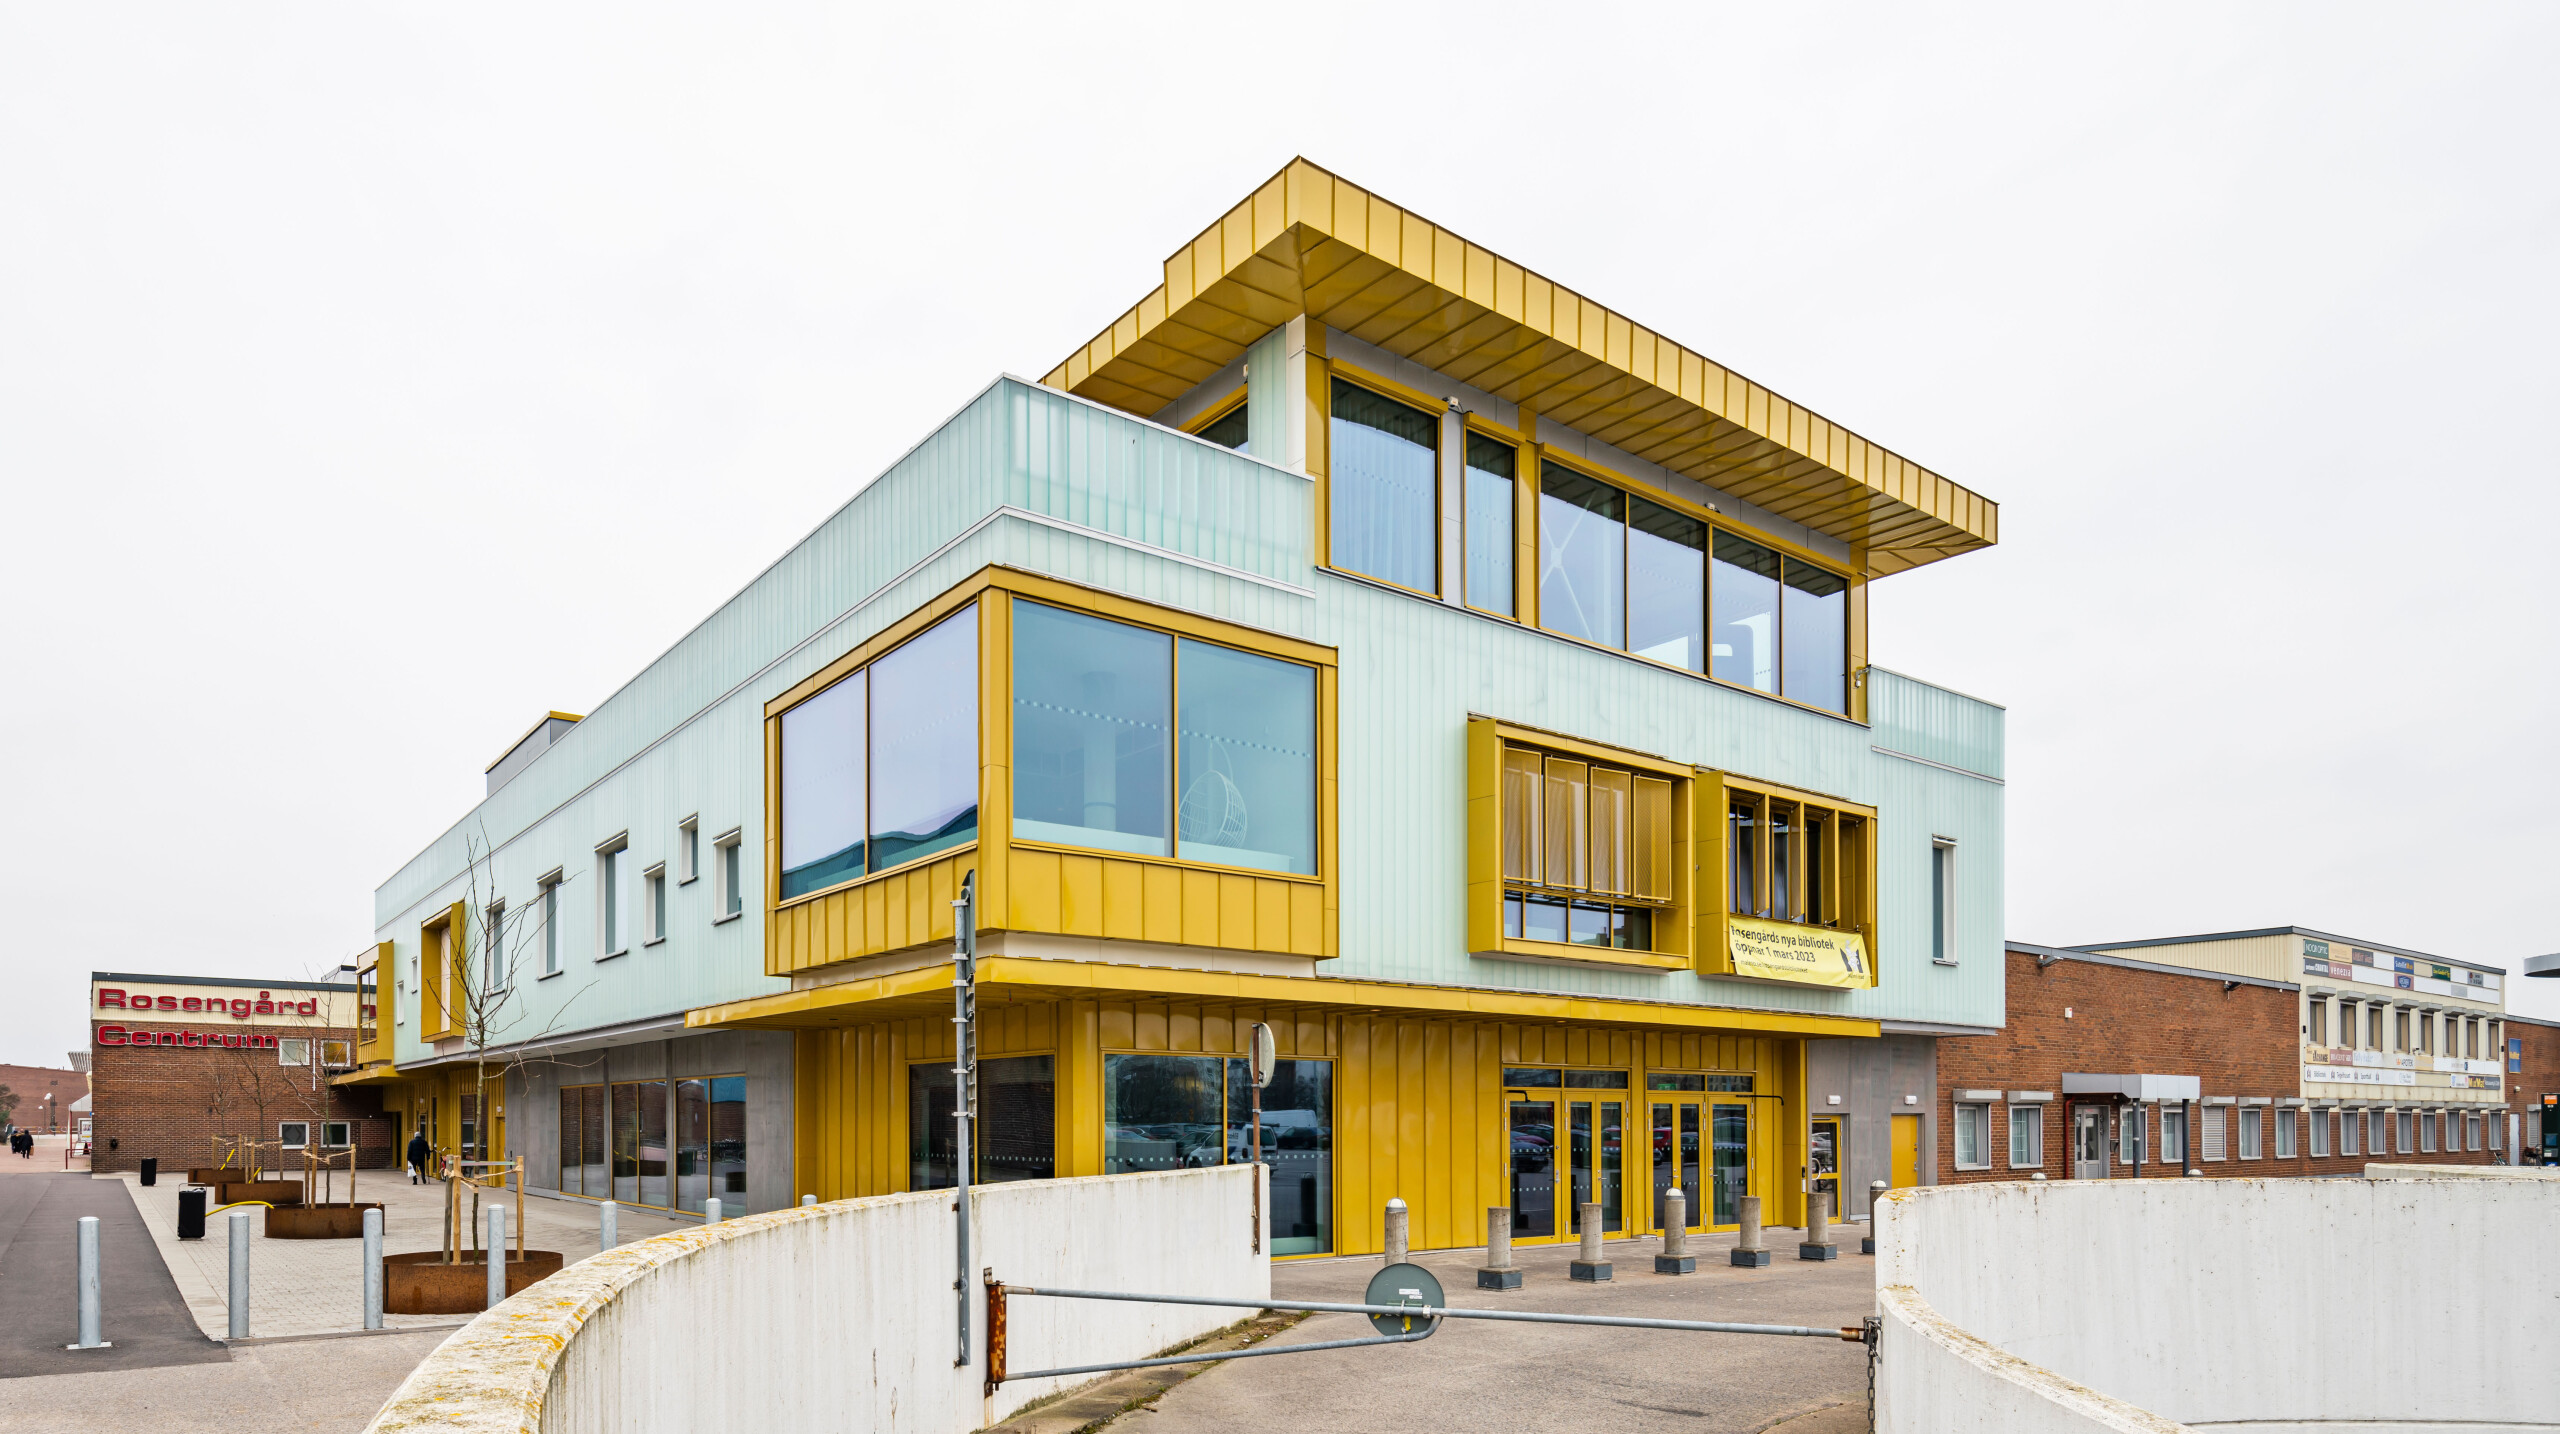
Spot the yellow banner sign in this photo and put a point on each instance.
(1806, 955)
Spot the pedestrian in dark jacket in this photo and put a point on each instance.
(417, 1157)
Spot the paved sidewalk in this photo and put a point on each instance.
(140, 1313)
(299, 1287)
(330, 1386)
(49, 1158)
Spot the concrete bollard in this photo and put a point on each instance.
(1590, 1268)
(608, 1224)
(373, 1269)
(1748, 1252)
(239, 1293)
(87, 1237)
(808, 1200)
(497, 1260)
(1817, 1231)
(1399, 1228)
(711, 1214)
(1875, 1196)
(1498, 1272)
(1675, 1258)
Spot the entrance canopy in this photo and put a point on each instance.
(2134, 1087)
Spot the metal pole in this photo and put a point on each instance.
(373, 1269)
(497, 1256)
(964, 1075)
(89, 1320)
(711, 1211)
(239, 1274)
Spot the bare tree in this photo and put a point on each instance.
(257, 1083)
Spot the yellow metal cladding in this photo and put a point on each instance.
(1419, 1111)
(1309, 243)
(1040, 888)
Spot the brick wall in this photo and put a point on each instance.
(2540, 1076)
(2245, 1041)
(31, 1084)
(169, 1101)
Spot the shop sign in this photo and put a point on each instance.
(2467, 1067)
(186, 1040)
(1805, 955)
(2315, 950)
(239, 1008)
(2359, 1075)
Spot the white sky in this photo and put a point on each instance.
(374, 379)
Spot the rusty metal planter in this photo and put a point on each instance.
(420, 1283)
(317, 1222)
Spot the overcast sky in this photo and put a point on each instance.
(375, 379)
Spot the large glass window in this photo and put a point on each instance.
(1582, 557)
(1743, 613)
(1163, 1112)
(924, 744)
(1384, 481)
(1491, 470)
(1814, 633)
(1092, 701)
(1016, 1123)
(877, 770)
(1666, 586)
(639, 1143)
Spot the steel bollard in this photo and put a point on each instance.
(1590, 1268)
(1497, 1273)
(373, 1269)
(711, 1214)
(1399, 1225)
(608, 1224)
(808, 1199)
(239, 1274)
(497, 1257)
(1749, 1252)
(88, 1242)
(1817, 1231)
(1675, 1258)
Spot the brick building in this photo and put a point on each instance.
(2109, 1063)
(177, 1061)
(44, 1093)
(2533, 1086)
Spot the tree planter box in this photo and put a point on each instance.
(214, 1174)
(274, 1192)
(418, 1284)
(318, 1222)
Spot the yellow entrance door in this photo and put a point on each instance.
(1906, 1151)
(1678, 1141)
(1568, 1149)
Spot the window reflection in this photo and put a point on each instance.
(924, 743)
(1091, 702)
(1016, 1122)
(823, 824)
(1384, 486)
(1248, 760)
(1744, 611)
(1816, 623)
(1491, 469)
(1165, 1112)
(1582, 557)
(1666, 586)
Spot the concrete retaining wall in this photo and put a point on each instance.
(841, 1316)
(2151, 1304)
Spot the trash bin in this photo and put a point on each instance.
(191, 1213)
(151, 1170)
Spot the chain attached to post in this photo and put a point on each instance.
(1873, 1327)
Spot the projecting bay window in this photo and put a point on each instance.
(1576, 851)
(881, 768)
(1793, 877)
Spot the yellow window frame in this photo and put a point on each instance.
(443, 970)
(1490, 743)
(1847, 899)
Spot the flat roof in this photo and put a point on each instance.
(235, 981)
(1307, 242)
(2287, 931)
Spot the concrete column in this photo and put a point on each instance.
(1817, 1235)
(1399, 1225)
(1590, 1268)
(1675, 1258)
(1748, 1252)
(1497, 1273)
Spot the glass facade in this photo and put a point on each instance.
(1384, 483)
(1492, 468)
(875, 770)
(1666, 586)
(1093, 700)
(1168, 1112)
(663, 1143)
(1742, 613)
(1016, 1125)
(1582, 557)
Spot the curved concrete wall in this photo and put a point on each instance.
(2156, 1304)
(841, 1316)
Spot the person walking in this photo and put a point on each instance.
(417, 1156)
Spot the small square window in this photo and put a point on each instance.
(294, 1134)
(293, 1051)
(337, 1054)
(333, 1134)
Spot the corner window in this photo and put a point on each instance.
(1094, 705)
(732, 894)
(877, 770)
(2026, 1137)
(1015, 1129)
(1973, 1125)
(1492, 470)
(1383, 483)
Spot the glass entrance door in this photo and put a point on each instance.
(1677, 1145)
(1568, 1149)
(1732, 1163)
(2089, 1142)
(1824, 1166)
(1533, 1165)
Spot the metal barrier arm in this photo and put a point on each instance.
(1852, 1334)
(1423, 1333)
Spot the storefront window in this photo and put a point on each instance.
(1191, 1112)
(1016, 1124)
(649, 1142)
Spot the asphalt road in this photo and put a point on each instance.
(141, 1313)
(1479, 1375)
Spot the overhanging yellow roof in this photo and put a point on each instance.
(1308, 242)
